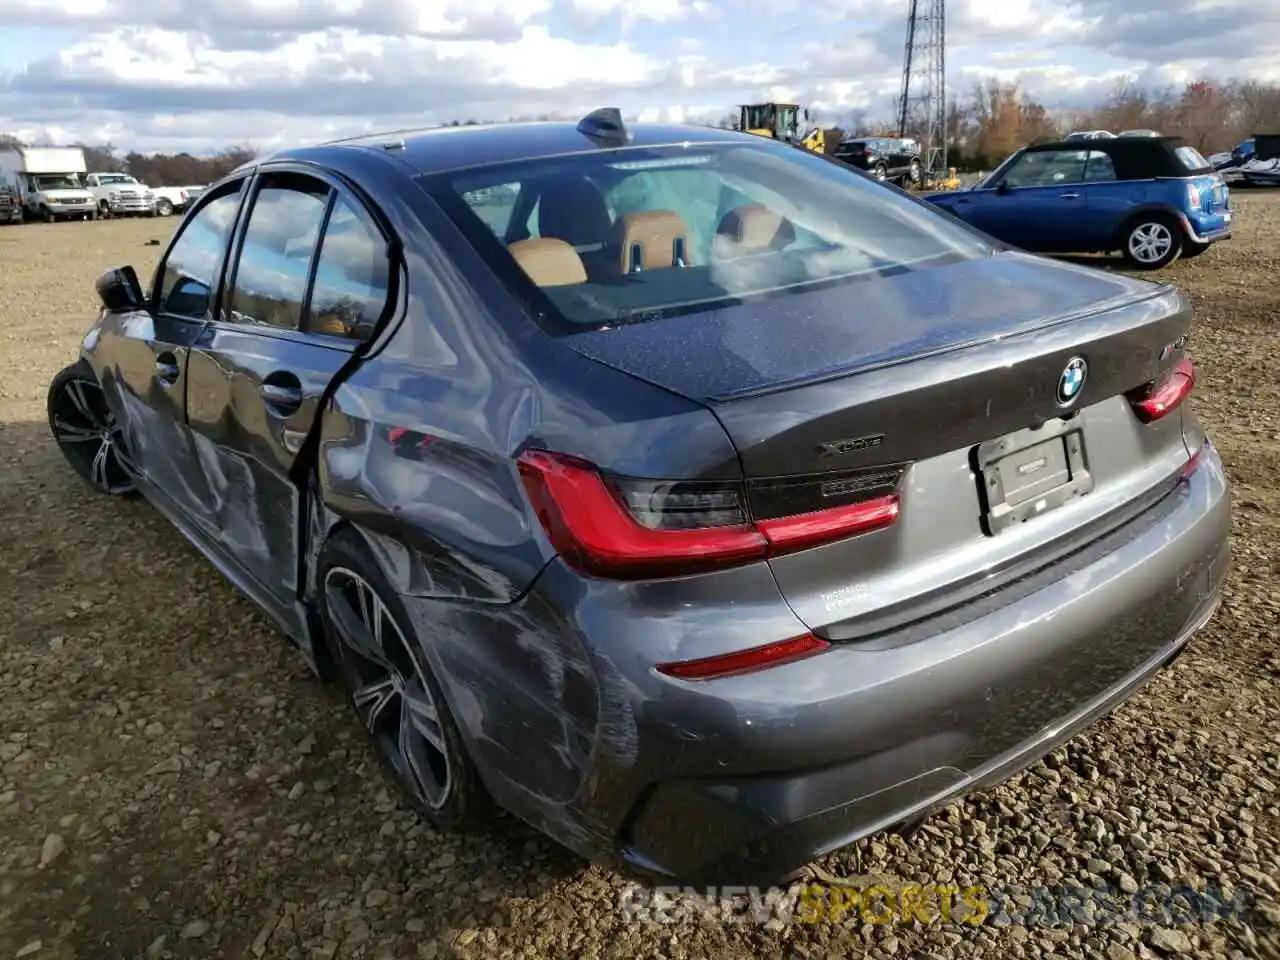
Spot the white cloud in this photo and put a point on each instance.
(199, 74)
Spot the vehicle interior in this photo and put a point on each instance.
(608, 241)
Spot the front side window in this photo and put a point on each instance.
(186, 281)
(632, 234)
(1046, 168)
(275, 256)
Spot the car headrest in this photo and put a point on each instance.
(549, 262)
(572, 209)
(651, 240)
(755, 227)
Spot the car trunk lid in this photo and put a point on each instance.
(941, 390)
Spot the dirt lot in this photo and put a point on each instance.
(174, 784)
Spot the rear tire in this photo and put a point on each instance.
(47, 215)
(915, 172)
(86, 431)
(164, 208)
(104, 210)
(880, 173)
(382, 665)
(1151, 241)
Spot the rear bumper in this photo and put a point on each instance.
(1207, 229)
(743, 779)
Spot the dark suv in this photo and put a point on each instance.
(885, 158)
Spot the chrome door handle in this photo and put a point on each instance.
(1070, 196)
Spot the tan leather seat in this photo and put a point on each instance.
(753, 228)
(549, 262)
(651, 240)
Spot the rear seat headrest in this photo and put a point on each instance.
(651, 240)
(755, 227)
(549, 262)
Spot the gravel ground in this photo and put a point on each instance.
(174, 784)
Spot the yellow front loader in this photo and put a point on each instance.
(782, 121)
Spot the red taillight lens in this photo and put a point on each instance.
(1193, 462)
(589, 528)
(811, 529)
(745, 661)
(630, 529)
(1166, 396)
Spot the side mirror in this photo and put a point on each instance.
(1002, 188)
(120, 290)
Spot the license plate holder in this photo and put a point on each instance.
(1031, 472)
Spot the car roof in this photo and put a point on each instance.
(1135, 158)
(1109, 144)
(441, 149)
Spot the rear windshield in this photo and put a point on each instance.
(1191, 158)
(621, 236)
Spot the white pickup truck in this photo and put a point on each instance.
(120, 195)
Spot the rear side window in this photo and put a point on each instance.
(1098, 167)
(275, 256)
(1191, 159)
(352, 275)
(627, 235)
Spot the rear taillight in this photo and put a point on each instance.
(631, 529)
(1160, 399)
(746, 661)
(1193, 196)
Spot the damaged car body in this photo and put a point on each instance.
(695, 498)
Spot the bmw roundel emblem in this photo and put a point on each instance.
(1071, 381)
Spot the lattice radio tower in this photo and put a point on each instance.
(922, 107)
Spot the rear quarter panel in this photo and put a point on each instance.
(1113, 205)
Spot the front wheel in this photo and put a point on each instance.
(880, 173)
(47, 215)
(87, 432)
(104, 210)
(915, 171)
(383, 667)
(1152, 242)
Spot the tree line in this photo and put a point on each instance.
(990, 122)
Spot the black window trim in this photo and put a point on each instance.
(339, 187)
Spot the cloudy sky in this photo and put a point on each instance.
(199, 74)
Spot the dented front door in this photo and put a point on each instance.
(256, 383)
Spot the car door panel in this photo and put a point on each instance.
(140, 357)
(979, 208)
(248, 438)
(256, 385)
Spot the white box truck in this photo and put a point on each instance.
(48, 182)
